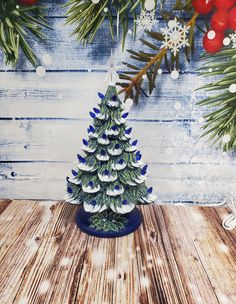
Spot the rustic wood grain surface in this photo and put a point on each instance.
(179, 255)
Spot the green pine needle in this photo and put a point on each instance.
(221, 121)
(17, 23)
(88, 17)
(108, 221)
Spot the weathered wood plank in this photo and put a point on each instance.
(217, 253)
(59, 261)
(183, 182)
(157, 265)
(4, 204)
(22, 254)
(10, 227)
(194, 278)
(125, 274)
(98, 262)
(68, 54)
(175, 257)
(55, 140)
(71, 97)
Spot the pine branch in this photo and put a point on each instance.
(220, 123)
(16, 24)
(132, 86)
(88, 17)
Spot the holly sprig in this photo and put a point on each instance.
(17, 23)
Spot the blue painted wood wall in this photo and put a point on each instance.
(42, 122)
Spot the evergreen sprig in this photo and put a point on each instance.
(108, 221)
(221, 121)
(17, 23)
(88, 17)
(148, 63)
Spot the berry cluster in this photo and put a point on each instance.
(27, 2)
(223, 18)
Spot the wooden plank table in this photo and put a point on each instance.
(179, 255)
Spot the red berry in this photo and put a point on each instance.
(213, 45)
(223, 4)
(27, 2)
(232, 18)
(202, 6)
(220, 21)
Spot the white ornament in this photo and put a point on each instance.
(115, 192)
(17, 6)
(103, 141)
(95, 1)
(226, 41)
(146, 20)
(69, 199)
(131, 149)
(232, 88)
(118, 166)
(112, 132)
(177, 106)
(171, 23)
(74, 181)
(47, 59)
(137, 164)
(130, 32)
(107, 178)
(226, 139)
(85, 167)
(128, 104)
(123, 209)
(149, 5)
(211, 35)
(175, 36)
(115, 151)
(91, 208)
(201, 120)
(113, 104)
(44, 286)
(102, 157)
(40, 71)
(159, 71)
(150, 198)
(174, 74)
(88, 149)
(105, 9)
(88, 189)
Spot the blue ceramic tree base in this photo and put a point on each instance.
(134, 220)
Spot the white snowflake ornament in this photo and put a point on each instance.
(175, 36)
(146, 20)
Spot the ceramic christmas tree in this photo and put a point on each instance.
(110, 179)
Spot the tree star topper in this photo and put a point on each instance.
(175, 36)
(112, 75)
